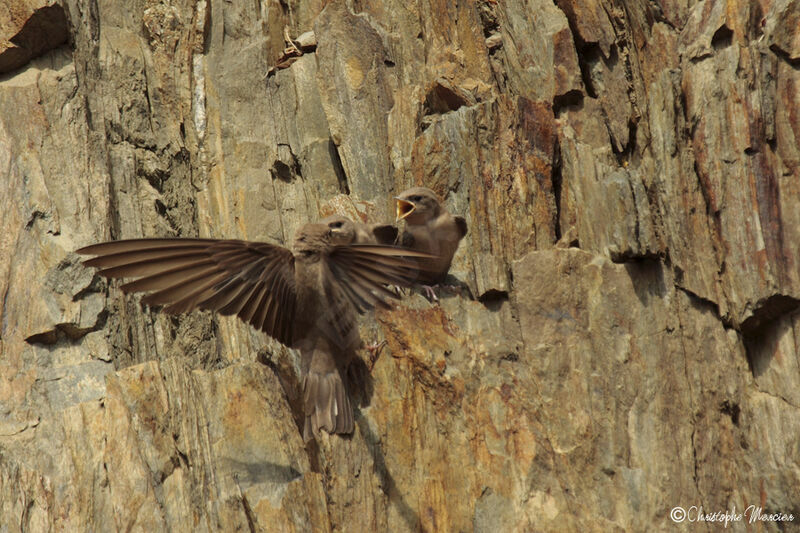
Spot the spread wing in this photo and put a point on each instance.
(252, 280)
(363, 271)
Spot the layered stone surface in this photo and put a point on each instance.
(624, 338)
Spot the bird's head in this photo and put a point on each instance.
(311, 241)
(417, 205)
(343, 231)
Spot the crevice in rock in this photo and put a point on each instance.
(712, 212)
(282, 171)
(114, 219)
(722, 38)
(657, 13)
(768, 311)
(695, 475)
(637, 230)
(511, 357)
(162, 474)
(285, 167)
(570, 100)
(34, 216)
(65, 334)
(45, 338)
(631, 256)
(494, 44)
(702, 303)
(691, 396)
(683, 110)
(338, 168)
(558, 180)
(764, 328)
(493, 299)
(443, 98)
(154, 176)
(161, 209)
(623, 156)
(181, 458)
(206, 28)
(793, 62)
(146, 92)
(755, 23)
(589, 53)
(647, 278)
(488, 16)
(731, 409)
(248, 511)
(700, 56)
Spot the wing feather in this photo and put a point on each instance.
(252, 280)
(363, 271)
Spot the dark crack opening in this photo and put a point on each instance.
(558, 181)
(285, 167)
(623, 156)
(442, 99)
(763, 330)
(66, 334)
(338, 168)
(794, 62)
(722, 38)
(493, 299)
(731, 409)
(569, 100)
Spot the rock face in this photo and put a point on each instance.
(625, 341)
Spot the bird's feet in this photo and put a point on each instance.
(442, 287)
(374, 350)
(430, 292)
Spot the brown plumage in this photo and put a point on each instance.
(304, 298)
(430, 229)
(345, 231)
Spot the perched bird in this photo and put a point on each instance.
(430, 229)
(305, 298)
(345, 231)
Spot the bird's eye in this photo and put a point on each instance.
(416, 198)
(337, 225)
(306, 253)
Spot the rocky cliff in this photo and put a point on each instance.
(626, 338)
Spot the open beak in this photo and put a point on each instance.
(404, 208)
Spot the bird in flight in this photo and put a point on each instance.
(306, 297)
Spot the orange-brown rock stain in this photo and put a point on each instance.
(238, 417)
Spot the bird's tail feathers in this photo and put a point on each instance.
(325, 404)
